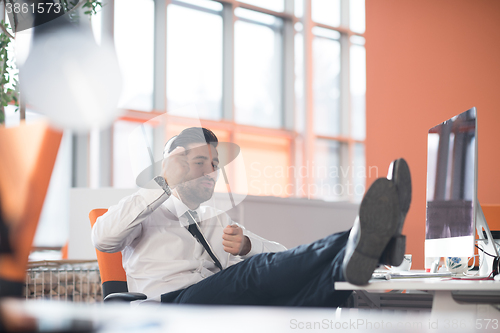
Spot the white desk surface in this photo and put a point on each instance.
(113, 318)
(422, 284)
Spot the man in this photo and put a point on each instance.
(177, 251)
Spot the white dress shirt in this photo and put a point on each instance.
(159, 254)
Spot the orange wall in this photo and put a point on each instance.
(428, 60)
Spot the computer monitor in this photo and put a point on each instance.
(453, 211)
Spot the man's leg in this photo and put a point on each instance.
(319, 292)
(304, 276)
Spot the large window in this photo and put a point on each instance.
(134, 42)
(284, 79)
(194, 59)
(257, 70)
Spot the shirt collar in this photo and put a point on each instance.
(177, 207)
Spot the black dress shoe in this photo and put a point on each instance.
(378, 221)
(399, 174)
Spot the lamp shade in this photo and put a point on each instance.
(71, 79)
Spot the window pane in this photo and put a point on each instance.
(257, 17)
(327, 171)
(12, 117)
(53, 226)
(266, 160)
(326, 56)
(358, 91)
(327, 33)
(300, 117)
(326, 12)
(130, 153)
(276, 5)
(194, 61)
(359, 172)
(257, 79)
(299, 8)
(358, 40)
(11, 62)
(96, 21)
(357, 15)
(134, 42)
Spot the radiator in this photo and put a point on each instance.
(64, 280)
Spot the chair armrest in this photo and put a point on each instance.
(124, 297)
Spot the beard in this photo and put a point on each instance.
(193, 191)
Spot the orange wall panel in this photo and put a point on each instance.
(427, 61)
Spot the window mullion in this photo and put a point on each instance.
(288, 76)
(344, 14)
(160, 73)
(160, 56)
(345, 107)
(228, 20)
(80, 160)
(309, 135)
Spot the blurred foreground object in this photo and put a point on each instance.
(28, 155)
(71, 79)
(13, 318)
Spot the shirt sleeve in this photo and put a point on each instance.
(121, 224)
(259, 244)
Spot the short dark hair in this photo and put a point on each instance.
(194, 135)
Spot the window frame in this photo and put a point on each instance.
(302, 143)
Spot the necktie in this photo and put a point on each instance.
(195, 231)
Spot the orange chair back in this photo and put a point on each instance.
(110, 264)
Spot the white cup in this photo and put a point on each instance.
(405, 265)
(458, 265)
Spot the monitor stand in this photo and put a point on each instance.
(487, 244)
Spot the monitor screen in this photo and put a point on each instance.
(451, 186)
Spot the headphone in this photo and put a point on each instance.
(496, 266)
(166, 150)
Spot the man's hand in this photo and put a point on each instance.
(235, 242)
(175, 167)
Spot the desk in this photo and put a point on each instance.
(476, 292)
(113, 318)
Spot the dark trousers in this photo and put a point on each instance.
(302, 276)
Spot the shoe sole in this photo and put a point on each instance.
(394, 253)
(378, 220)
(402, 180)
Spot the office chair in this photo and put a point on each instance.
(113, 277)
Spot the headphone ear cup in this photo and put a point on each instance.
(496, 265)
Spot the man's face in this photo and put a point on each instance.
(199, 184)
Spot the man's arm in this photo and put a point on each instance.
(239, 241)
(261, 245)
(118, 228)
